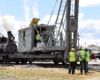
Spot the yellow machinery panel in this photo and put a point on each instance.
(35, 21)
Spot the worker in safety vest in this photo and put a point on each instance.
(37, 38)
(87, 58)
(72, 59)
(52, 40)
(82, 59)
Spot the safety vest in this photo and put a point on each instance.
(52, 37)
(72, 57)
(82, 54)
(87, 57)
(37, 37)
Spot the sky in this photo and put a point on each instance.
(19, 13)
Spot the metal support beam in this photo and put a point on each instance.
(33, 34)
(76, 17)
(61, 39)
(70, 41)
(67, 30)
(50, 39)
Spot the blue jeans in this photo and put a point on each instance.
(37, 41)
(86, 66)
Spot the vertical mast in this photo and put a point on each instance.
(71, 27)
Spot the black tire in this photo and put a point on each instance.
(30, 62)
(24, 62)
(17, 62)
(1, 62)
(55, 62)
(6, 62)
(63, 63)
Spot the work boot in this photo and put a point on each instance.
(69, 71)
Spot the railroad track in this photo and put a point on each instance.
(93, 67)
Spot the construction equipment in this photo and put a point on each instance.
(57, 50)
(70, 29)
(64, 31)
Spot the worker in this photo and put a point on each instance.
(87, 58)
(37, 38)
(72, 59)
(52, 40)
(82, 59)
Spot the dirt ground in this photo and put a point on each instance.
(17, 73)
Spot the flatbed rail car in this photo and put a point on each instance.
(24, 58)
(44, 49)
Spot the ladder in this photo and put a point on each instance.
(59, 22)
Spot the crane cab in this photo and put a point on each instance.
(27, 36)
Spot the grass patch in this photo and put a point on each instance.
(16, 73)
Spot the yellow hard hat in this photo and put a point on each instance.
(72, 49)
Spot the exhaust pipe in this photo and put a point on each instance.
(10, 37)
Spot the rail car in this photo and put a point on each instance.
(28, 50)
